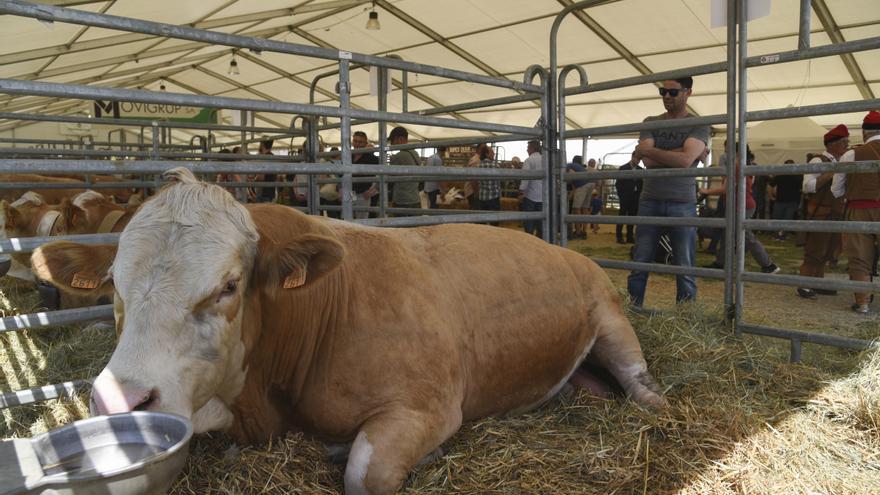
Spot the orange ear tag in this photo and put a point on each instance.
(83, 280)
(297, 278)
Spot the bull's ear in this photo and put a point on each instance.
(297, 263)
(11, 215)
(75, 268)
(74, 216)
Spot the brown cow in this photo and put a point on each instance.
(73, 186)
(32, 216)
(261, 320)
(102, 216)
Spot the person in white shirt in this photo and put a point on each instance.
(432, 187)
(531, 191)
(862, 193)
(820, 204)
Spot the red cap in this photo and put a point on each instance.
(872, 121)
(838, 132)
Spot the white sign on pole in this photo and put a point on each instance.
(374, 81)
(755, 9)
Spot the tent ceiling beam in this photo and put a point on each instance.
(78, 35)
(233, 82)
(614, 43)
(833, 31)
(122, 39)
(444, 42)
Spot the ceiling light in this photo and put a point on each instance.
(373, 21)
(233, 67)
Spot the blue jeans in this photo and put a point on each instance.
(683, 240)
(531, 226)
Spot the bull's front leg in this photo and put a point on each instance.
(390, 444)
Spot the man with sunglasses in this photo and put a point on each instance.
(679, 147)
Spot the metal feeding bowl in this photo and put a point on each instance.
(134, 453)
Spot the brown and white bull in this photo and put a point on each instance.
(260, 320)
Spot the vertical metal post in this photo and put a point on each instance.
(550, 94)
(345, 133)
(730, 150)
(804, 29)
(404, 97)
(743, 84)
(562, 229)
(795, 351)
(547, 118)
(383, 141)
(312, 143)
(243, 136)
(154, 150)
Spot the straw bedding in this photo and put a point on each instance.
(742, 420)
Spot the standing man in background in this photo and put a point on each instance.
(679, 147)
(862, 193)
(362, 192)
(432, 187)
(266, 194)
(628, 192)
(820, 247)
(531, 191)
(405, 194)
(580, 197)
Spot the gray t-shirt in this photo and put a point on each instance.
(405, 193)
(681, 189)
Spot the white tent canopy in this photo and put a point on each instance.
(490, 37)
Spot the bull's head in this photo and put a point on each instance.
(185, 270)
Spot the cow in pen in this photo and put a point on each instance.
(259, 320)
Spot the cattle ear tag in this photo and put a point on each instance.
(297, 278)
(85, 280)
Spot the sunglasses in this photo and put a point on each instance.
(672, 92)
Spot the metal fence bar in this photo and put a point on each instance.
(815, 338)
(142, 123)
(56, 318)
(162, 30)
(29, 244)
(436, 220)
(40, 394)
(658, 268)
(160, 166)
(13, 86)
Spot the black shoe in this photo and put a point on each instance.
(861, 309)
(620, 240)
(806, 293)
(771, 269)
(630, 240)
(825, 292)
(715, 265)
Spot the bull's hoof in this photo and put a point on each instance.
(5, 264)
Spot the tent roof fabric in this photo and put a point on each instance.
(501, 38)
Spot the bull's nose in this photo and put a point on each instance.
(110, 396)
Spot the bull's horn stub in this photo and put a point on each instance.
(297, 278)
(84, 280)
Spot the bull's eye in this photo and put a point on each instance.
(231, 287)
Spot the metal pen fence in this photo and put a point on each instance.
(736, 118)
(155, 157)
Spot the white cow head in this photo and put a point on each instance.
(181, 276)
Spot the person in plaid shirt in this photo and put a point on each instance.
(489, 190)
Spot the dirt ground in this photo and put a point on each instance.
(771, 305)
